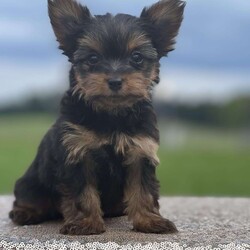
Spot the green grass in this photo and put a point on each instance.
(205, 172)
(19, 139)
(206, 162)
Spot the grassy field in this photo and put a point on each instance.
(202, 162)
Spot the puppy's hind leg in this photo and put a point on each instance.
(33, 204)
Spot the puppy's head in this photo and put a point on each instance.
(115, 58)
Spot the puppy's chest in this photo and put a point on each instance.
(79, 141)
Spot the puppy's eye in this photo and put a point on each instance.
(93, 59)
(137, 57)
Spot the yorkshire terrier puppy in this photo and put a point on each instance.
(100, 156)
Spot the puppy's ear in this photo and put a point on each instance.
(162, 21)
(67, 19)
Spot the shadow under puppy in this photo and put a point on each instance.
(100, 156)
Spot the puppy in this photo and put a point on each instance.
(100, 156)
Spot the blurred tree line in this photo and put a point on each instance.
(232, 114)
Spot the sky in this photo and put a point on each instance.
(211, 61)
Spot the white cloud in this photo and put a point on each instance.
(26, 79)
(195, 85)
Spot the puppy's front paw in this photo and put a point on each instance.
(86, 227)
(154, 224)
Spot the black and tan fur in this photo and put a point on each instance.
(100, 156)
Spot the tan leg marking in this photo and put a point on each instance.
(84, 220)
(83, 215)
(141, 208)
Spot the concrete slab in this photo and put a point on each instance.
(203, 223)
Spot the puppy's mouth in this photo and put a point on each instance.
(115, 97)
(114, 101)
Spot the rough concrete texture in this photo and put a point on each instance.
(202, 222)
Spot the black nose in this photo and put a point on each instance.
(115, 84)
